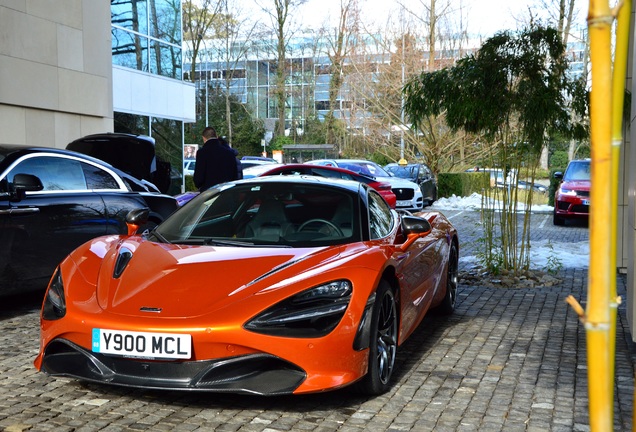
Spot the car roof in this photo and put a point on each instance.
(14, 151)
(328, 168)
(350, 185)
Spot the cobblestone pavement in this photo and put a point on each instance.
(507, 360)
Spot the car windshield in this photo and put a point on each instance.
(406, 172)
(276, 214)
(364, 167)
(577, 171)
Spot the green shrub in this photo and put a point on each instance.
(461, 184)
(189, 184)
(559, 160)
(554, 184)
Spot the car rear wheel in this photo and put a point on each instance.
(447, 306)
(383, 343)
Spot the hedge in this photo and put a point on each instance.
(462, 184)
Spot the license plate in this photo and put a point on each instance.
(586, 202)
(403, 203)
(142, 344)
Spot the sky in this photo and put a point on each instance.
(570, 255)
(484, 17)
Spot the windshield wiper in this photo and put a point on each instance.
(161, 238)
(218, 242)
(238, 243)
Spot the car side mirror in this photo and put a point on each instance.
(558, 175)
(23, 183)
(136, 218)
(413, 228)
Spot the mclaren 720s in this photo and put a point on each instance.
(272, 285)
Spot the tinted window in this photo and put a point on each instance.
(97, 178)
(56, 173)
(380, 217)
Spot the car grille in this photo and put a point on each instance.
(404, 193)
(580, 209)
(583, 193)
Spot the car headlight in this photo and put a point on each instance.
(309, 314)
(568, 192)
(54, 306)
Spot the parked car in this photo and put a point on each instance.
(535, 187)
(497, 176)
(383, 188)
(572, 197)
(272, 285)
(259, 158)
(418, 173)
(188, 167)
(132, 154)
(248, 163)
(53, 200)
(408, 194)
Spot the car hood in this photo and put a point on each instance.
(580, 185)
(189, 281)
(398, 182)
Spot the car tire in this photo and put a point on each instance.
(556, 220)
(447, 306)
(382, 344)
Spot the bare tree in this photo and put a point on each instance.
(237, 31)
(339, 40)
(199, 20)
(280, 15)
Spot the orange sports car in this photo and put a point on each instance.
(272, 285)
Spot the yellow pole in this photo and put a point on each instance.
(597, 316)
(618, 98)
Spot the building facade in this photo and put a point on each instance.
(55, 71)
(70, 68)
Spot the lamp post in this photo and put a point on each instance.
(205, 45)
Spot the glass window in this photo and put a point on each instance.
(129, 50)
(380, 217)
(97, 178)
(165, 20)
(130, 14)
(55, 173)
(165, 60)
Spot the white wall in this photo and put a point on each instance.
(55, 71)
(142, 93)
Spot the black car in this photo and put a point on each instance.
(53, 200)
(419, 173)
(134, 155)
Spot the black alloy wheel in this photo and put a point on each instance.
(447, 306)
(383, 343)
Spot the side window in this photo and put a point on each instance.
(56, 173)
(380, 217)
(325, 173)
(97, 178)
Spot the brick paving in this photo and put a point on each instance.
(507, 360)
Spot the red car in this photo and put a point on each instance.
(383, 188)
(572, 198)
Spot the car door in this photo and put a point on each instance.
(39, 230)
(427, 184)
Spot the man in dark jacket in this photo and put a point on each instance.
(215, 162)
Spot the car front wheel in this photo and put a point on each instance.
(557, 220)
(447, 306)
(383, 343)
